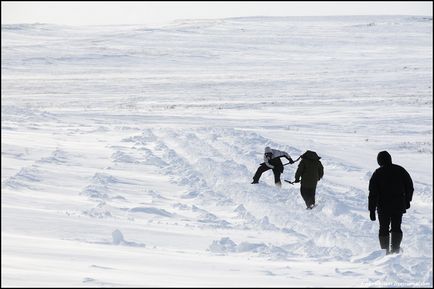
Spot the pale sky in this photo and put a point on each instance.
(159, 12)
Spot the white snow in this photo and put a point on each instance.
(128, 151)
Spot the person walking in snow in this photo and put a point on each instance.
(310, 170)
(390, 193)
(272, 161)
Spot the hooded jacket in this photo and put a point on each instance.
(274, 159)
(390, 187)
(310, 170)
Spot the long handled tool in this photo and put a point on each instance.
(293, 161)
(293, 182)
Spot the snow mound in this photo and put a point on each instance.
(226, 245)
(223, 245)
(118, 239)
(152, 211)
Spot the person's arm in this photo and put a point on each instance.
(373, 194)
(288, 157)
(266, 161)
(299, 171)
(408, 182)
(280, 154)
(320, 171)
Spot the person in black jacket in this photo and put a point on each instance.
(390, 193)
(310, 170)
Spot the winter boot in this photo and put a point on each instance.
(279, 185)
(396, 241)
(384, 243)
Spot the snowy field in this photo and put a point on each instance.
(128, 151)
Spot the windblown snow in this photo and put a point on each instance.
(128, 151)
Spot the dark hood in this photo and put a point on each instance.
(310, 155)
(384, 158)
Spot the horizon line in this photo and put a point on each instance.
(223, 18)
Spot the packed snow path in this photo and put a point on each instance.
(128, 152)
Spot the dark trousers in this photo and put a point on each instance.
(386, 220)
(263, 168)
(308, 195)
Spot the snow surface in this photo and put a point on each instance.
(128, 151)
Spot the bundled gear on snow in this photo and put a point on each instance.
(310, 170)
(272, 161)
(390, 193)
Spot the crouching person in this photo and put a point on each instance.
(272, 162)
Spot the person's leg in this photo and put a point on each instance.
(305, 195)
(396, 232)
(277, 174)
(262, 168)
(383, 234)
(308, 195)
(312, 196)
